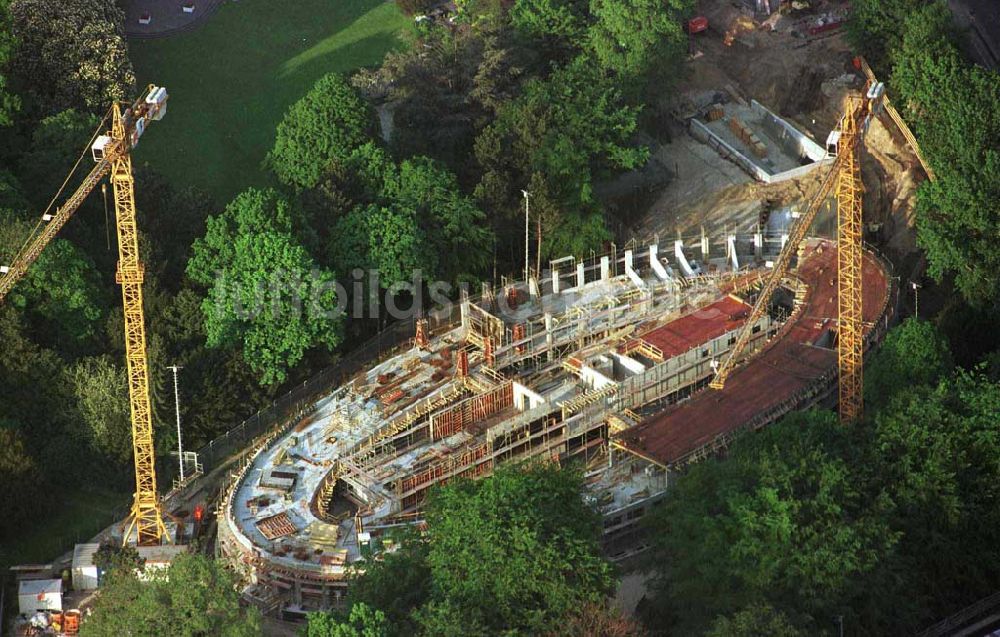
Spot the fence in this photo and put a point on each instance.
(375, 349)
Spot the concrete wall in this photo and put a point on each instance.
(797, 141)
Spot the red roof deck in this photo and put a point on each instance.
(788, 365)
(699, 327)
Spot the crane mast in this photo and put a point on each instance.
(850, 340)
(844, 178)
(146, 517)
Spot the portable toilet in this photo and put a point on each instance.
(84, 569)
(34, 595)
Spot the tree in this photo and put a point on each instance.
(101, 390)
(218, 387)
(593, 620)
(9, 102)
(515, 552)
(71, 54)
(12, 199)
(397, 582)
(61, 291)
(415, 7)
(787, 520)
(56, 143)
(912, 354)
(556, 26)
(938, 450)
(453, 224)
(112, 555)
(753, 621)
(955, 107)
(363, 621)
(20, 476)
(266, 292)
(194, 597)
(639, 40)
(323, 127)
(556, 136)
(417, 220)
(873, 27)
(173, 218)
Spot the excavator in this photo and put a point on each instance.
(111, 151)
(844, 181)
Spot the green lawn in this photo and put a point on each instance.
(231, 80)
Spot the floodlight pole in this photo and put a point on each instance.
(527, 251)
(177, 410)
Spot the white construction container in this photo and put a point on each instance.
(84, 571)
(157, 101)
(35, 595)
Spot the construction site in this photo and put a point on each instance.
(601, 362)
(630, 364)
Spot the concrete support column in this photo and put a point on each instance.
(704, 246)
(549, 336)
(555, 280)
(581, 276)
(758, 244)
(605, 269)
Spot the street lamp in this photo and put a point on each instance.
(916, 298)
(526, 231)
(177, 409)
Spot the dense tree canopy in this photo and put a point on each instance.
(8, 100)
(636, 38)
(266, 292)
(785, 520)
(61, 291)
(515, 553)
(873, 27)
(956, 110)
(194, 597)
(101, 389)
(362, 621)
(71, 54)
(56, 143)
(913, 354)
(323, 127)
(553, 25)
(889, 525)
(557, 136)
(19, 475)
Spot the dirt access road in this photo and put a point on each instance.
(802, 78)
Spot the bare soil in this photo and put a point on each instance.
(802, 78)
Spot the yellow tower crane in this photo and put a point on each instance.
(112, 154)
(843, 179)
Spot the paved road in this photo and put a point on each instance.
(981, 19)
(168, 17)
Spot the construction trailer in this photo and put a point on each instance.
(84, 571)
(38, 595)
